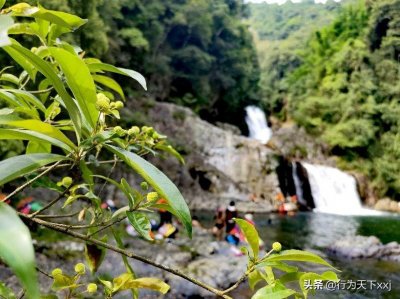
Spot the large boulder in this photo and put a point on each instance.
(360, 247)
(220, 164)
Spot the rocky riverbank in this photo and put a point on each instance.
(220, 164)
(202, 258)
(360, 247)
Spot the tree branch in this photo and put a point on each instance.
(128, 254)
(22, 187)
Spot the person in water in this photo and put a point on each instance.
(219, 224)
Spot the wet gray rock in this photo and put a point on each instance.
(220, 164)
(360, 247)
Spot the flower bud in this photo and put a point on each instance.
(56, 271)
(134, 131)
(102, 102)
(119, 131)
(80, 268)
(144, 186)
(67, 181)
(119, 105)
(152, 196)
(92, 288)
(277, 246)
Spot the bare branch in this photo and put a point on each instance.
(128, 254)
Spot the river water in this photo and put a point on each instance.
(315, 231)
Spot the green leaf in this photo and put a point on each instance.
(251, 235)
(311, 277)
(2, 2)
(40, 127)
(160, 182)
(120, 281)
(16, 249)
(133, 195)
(62, 282)
(169, 149)
(94, 255)
(5, 292)
(99, 67)
(18, 166)
(118, 240)
(87, 174)
(110, 83)
(141, 223)
(298, 256)
(278, 265)
(254, 278)
(5, 23)
(15, 134)
(80, 81)
(60, 18)
(27, 97)
(47, 70)
(277, 291)
(147, 283)
(34, 147)
(22, 61)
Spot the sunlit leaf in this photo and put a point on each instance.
(148, 283)
(5, 23)
(16, 249)
(18, 166)
(160, 182)
(277, 291)
(46, 69)
(141, 223)
(251, 235)
(110, 83)
(100, 67)
(15, 134)
(299, 256)
(254, 278)
(80, 81)
(39, 127)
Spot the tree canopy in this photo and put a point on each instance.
(196, 53)
(343, 85)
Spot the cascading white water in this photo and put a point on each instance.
(335, 191)
(257, 124)
(297, 184)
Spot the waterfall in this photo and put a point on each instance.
(257, 124)
(297, 184)
(335, 191)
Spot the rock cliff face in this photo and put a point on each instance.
(220, 165)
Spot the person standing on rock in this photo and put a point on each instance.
(230, 213)
(219, 224)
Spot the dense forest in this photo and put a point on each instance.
(342, 84)
(195, 53)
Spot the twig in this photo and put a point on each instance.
(44, 273)
(107, 226)
(109, 174)
(58, 216)
(128, 254)
(50, 204)
(22, 187)
(21, 294)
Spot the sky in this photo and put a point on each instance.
(283, 1)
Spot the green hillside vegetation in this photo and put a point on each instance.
(344, 87)
(196, 53)
(280, 32)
